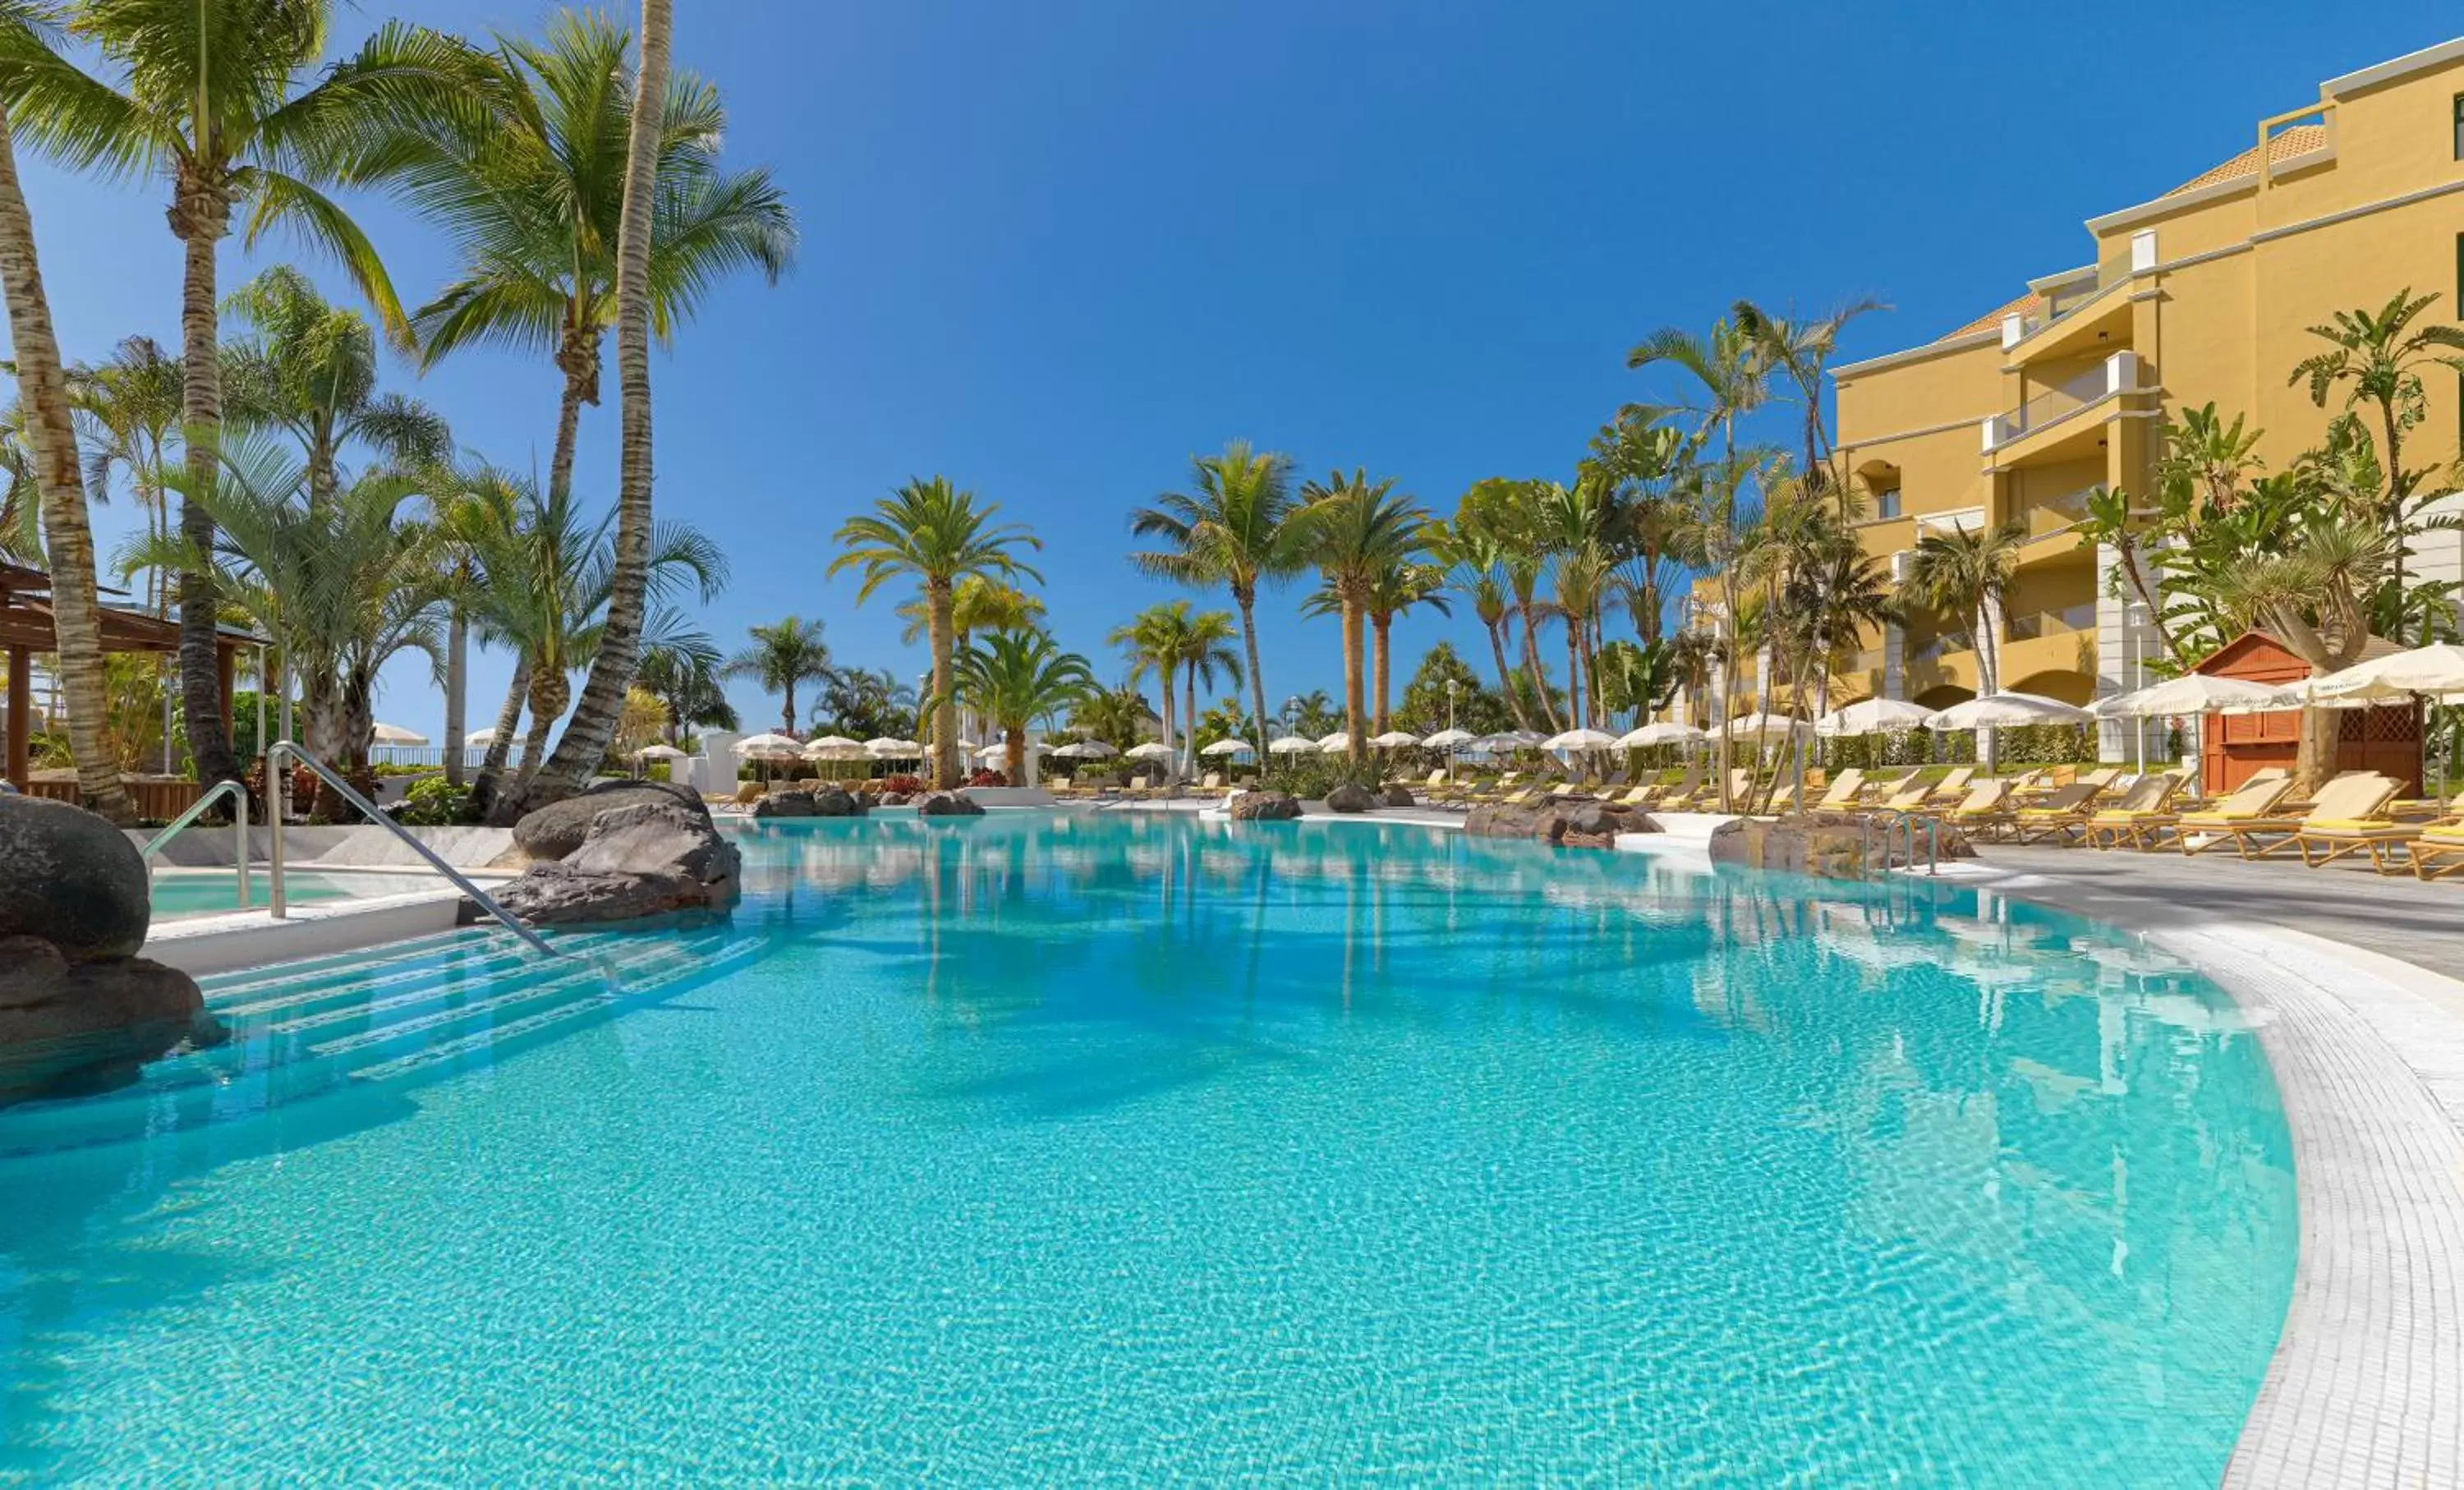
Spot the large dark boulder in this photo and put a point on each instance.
(785, 804)
(67, 1028)
(1398, 795)
(1350, 797)
(832, 801)
(1263, 807)
(947, 804)
(71, 878)
(1830, 846)
(651, 859)
(556, 830)
(1576, 825)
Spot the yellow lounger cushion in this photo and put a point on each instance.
(2354, 826)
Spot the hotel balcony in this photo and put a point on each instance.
(2068, 419)
(2085, 312)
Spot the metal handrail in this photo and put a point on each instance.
(367, 808)
(238, 795)
(1908, 820)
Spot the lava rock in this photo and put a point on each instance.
(556, 830)
(67, 1028)
(1576, 825)
(1350, 797)
(785, 804)
(832, 801)
(1263, 807)
(1398, 795)
(71, 878)
(947, 804)
(650, 859)
(1830, 846)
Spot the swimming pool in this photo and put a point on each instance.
(202, 893)
(1068, 1149)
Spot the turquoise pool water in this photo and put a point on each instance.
(197, 893)
(1038, 1150)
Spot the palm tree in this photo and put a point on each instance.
(2381, 354)
(1357, 529)
(1233, 528)
(585, 742)
(1016, 677)
(1396, 588)
(535, 202)
(685, 681)
(1116, 716)
(342, 584)
(1475, 560)
(864, 702)
(978, 605)
(1800, 351)
(935, 534)
(2313, 597)
(1206, 649)
(51, 441)
(782, 655)
(311, 367)
(548, 581)
(208, 99)
(1153, 640)
(129, 405)
(1964, 572)
(1503, 512)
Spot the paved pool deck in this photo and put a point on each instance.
(2352, 982)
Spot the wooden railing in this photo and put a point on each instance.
(157, 802)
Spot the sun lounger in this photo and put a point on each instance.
(2345, 802)
(1842, 791)
(1985, 812)
(2256, 800)
(1952, 787)
(2438, 852)
(2139, 811)
(2057, 816)
(2377, 833)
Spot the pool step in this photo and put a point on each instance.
(446, 1003)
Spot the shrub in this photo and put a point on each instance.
(434, 804)
(1313, 779)
(904, 786)
(984, 777)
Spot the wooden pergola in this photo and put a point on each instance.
(26, 627)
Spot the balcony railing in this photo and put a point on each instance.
(2029, 626)
(2116, 375)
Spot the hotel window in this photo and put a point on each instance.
(2459, 127)
(1886, 504)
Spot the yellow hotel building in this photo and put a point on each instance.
(2202, 295)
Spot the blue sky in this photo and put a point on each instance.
(1054, 250)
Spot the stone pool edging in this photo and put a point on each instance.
(2367, 1384)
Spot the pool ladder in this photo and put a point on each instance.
(1902, 820)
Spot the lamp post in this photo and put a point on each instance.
(1452, 684)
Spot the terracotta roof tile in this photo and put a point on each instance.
(2281, 146)
(1993, 317)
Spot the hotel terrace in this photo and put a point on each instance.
(2204, 295)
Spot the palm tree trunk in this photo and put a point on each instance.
(51, 438)
(1189, 721)
(1356, 745)
(787, 709)
(200, 215)
(457, 689)
(1014, 754)
(943, 601)
(1531, 660)
(1381, 638)
(500, 744)
(580, 360)
(1504, 675)
(1246, 598)
(594, 720)
(1573, 673)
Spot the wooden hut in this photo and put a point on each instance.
(2384, 737)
